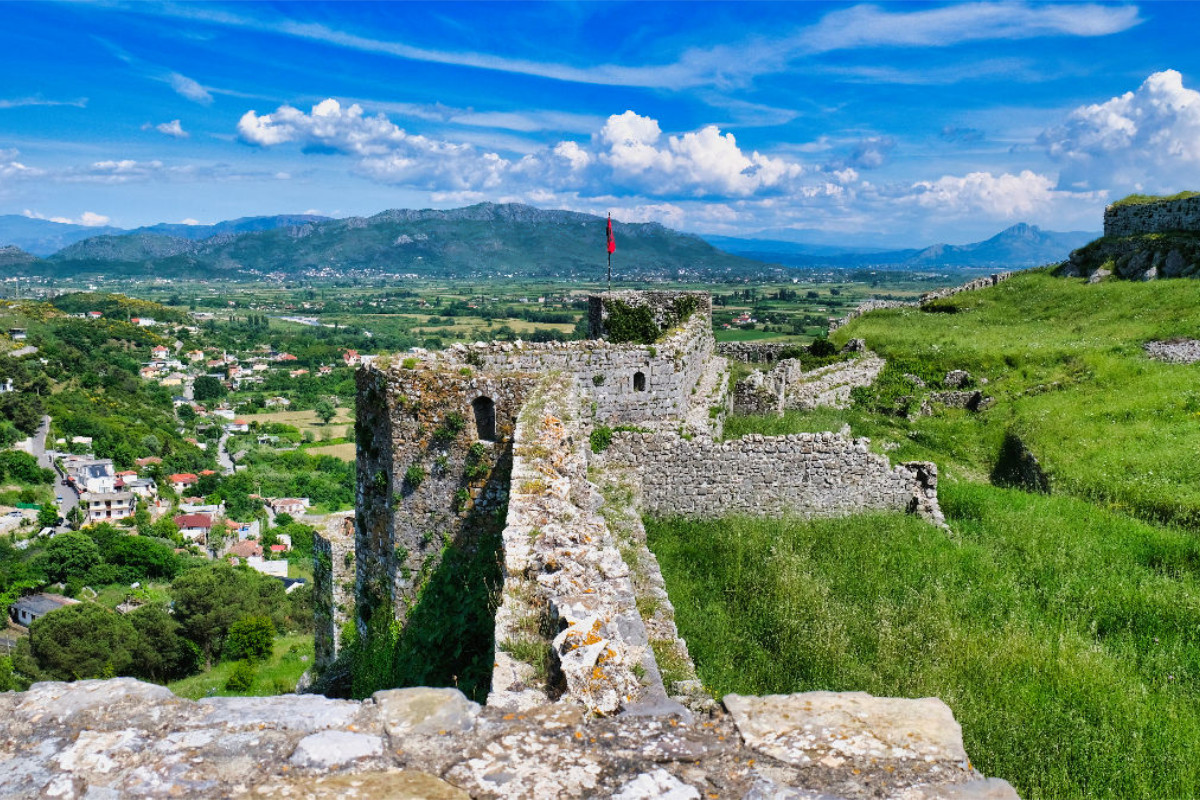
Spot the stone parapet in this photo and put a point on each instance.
(333, 584)
(122, 738)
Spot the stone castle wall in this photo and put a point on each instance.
(568, 596)
(1165, 215)
(333, 585)
(788, 386)
(424, 470)
(753, 352)
(663, 306)
(626, 382)
(808, 475)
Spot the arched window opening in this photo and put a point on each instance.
(639, 381)
(485, 418)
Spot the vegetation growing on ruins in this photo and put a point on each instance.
(1145, 199)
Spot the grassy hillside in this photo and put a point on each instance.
(1064, 630)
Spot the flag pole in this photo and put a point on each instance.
(610, 253)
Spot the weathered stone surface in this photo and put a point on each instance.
(397, 785)
(155, 748)
(425, 712)
(833, 727)
(328, 749)
(1165, 215)
(289, 712)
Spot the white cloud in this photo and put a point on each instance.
(1004, 195)
(12, 169)
(192, 90)
(703, 162)
(190, 221)
(88, 219)
(23, 102)
(860, 26)
(872, 26)
(172, 128)
(1145, 140)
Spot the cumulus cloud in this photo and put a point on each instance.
(173, 129)
(88, 219)
(12, 169)
(703, 162)
(192, 90)
(1148, 139)
(1004, 195)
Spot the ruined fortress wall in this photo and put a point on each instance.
(928, 297)
(808, 474)
(662, 305)
(424, 468)
(567, 591)
(333, 584)
(753, 352)
(608, 375)
(1165, 215)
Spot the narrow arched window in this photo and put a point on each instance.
(639, 381)
(485, 418)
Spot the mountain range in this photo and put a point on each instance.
(484, 240)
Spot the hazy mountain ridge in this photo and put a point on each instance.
(1021, 245)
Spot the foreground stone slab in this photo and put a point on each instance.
(103, 740)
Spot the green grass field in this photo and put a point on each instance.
(1063, 630)
(293, 655)
(1066, 638)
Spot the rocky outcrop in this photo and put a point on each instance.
(1176, 351)
(122, 738)
(1140, 257)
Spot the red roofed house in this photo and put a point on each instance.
(247, 548)
(238, 426)
(279, 548)
(182, 480)
(194, 526)
(160, 352)
(352, 358)
(289, 505)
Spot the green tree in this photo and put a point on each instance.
(47, 515)
(75, 516)
(187, 414)
(69, 555)
(209, 600)
(82, 641)
(208, 387)
(251, 638)
(324, 410)
(161, 653)
(141, 557)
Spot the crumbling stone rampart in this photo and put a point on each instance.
(928, 297)
(807, 474)
(122, 738)
(1130, 219)
(788, 386)
(568, 598)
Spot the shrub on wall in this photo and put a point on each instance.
(627, 324)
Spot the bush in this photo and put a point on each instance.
(600, 438)
(250, 639)
(241, 678)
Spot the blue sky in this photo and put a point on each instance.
(898, 124)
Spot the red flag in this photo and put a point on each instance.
(612, 243)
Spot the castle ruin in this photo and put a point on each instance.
(525, 468)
